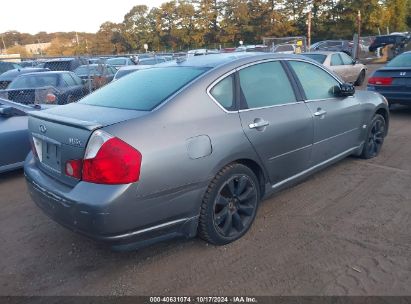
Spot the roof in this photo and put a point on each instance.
(60, 59)
(216, 60)
(16, 72)
(47, 73)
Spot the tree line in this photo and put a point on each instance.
(185, 24)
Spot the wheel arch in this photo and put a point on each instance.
(384, 113)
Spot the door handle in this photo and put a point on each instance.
(320, 113)
(258, 124)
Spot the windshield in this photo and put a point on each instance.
(403, 60)
(144, 90)
(34, 81)
(317, 57)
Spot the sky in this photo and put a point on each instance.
(33, 16)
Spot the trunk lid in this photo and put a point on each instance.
(401, 78)
(61, 134)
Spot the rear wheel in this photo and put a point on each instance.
(229, 205)
(360, 79)
(375, 137)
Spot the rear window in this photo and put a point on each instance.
(403, 60)
(317, 57)
(34, 81)
(117, 61)
(143, 90)
(58, 65)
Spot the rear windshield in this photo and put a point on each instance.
(403, 60)
(34, 81)
(58, 65)
(143, 90)
(317, 57)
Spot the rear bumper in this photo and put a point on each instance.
(402, 97)
(115, 217)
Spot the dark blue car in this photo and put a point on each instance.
(393, 81)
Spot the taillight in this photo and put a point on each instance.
(74, 168)
(380, 80)
(108, 160)
(51, 98)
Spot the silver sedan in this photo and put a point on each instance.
(191, 147)
(341, 64)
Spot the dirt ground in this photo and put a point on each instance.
(344, 231)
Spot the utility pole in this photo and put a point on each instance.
(359, 34)
(309, 31)
(4, 45)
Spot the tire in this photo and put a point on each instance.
(229, 205)
(360, 79)
(375, 137)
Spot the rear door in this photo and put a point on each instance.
(276, 121)
(337, 120)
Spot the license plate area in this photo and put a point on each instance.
(49, 153)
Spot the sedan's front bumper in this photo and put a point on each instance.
(111, 213)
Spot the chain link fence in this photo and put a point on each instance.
(62, 80)
(286, 45)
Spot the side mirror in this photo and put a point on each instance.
(344, 90)
(10, 111)
(6, 111)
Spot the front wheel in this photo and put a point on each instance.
(375, 137)
(229, 205)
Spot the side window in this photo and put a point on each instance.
(77, 80)
(316, 82)
(223, 92)
(336, 60)
(68, 80)
(347, 60)
(266, 84)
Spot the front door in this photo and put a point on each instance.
(337, 120)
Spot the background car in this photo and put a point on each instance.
(151, 60)
(45, 87)
(341, 64)
(6, 66)
(394, 80)
(14, 135)
(118, 62)
(397, 40)
(7, 77)
(98, 74)
(126, 167)
(344, 46)
(285, 48)
(64, 64)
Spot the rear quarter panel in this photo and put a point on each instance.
(164, 138)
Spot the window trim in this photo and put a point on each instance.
(300, 98)
(217, 81)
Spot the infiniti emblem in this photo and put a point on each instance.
(42, 129)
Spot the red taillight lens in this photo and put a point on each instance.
(380, 80)
(114, 163)
(51, 98)
(74, 168)
(108, 160)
